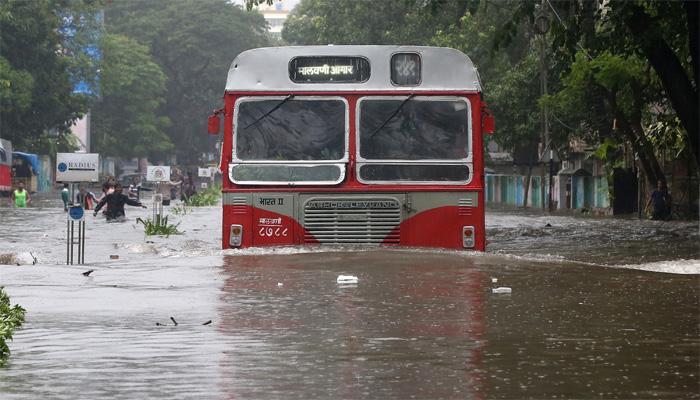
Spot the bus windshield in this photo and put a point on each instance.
(290, 129)
(422, 129)
(422, 139)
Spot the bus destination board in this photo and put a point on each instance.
(329, 69)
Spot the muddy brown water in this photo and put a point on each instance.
(599, 308)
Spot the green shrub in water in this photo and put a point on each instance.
(180, 210)
(208, 197)
(10, 318)
(159, 227)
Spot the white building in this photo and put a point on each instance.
(276, 14)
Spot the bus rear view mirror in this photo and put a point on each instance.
(488, 123)
(213, 124)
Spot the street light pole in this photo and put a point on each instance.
(541, 28)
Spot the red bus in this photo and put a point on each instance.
(353, 145)
(5, 165)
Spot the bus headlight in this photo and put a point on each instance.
(468, 237)
(236, 237)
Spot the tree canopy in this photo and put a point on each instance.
(617, 39)
(125, 118)
(193, 43)
(38, 103)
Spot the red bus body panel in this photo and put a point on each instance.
(5, 177)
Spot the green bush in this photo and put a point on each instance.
(159, 227)
(208, 197)
(180, 210)
(10, 318)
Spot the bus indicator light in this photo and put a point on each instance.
(236, 237)
(468, 237)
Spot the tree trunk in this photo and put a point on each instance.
(680, 91)
(633, 131)
(692, 13)
(648, 161)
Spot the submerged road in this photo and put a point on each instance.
(599, 308)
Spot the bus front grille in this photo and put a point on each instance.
(348, 220)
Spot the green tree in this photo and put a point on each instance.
(510, 74)
(626, 87)
(194, 43)
(17, 87)
(662, 34)
(365, 22)
(125, 120)
(35, 76)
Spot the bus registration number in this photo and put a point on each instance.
(272, 227)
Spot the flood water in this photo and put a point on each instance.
(599, 308)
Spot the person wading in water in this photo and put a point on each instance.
(660, 202)
(65, 196)
(20, 197)
(85, 198)
(115, 204)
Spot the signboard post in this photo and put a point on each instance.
(71, 168)
(75, 213)
(158, 174)
(77, 167)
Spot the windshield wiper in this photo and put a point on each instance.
(386, 121)
(271, 111)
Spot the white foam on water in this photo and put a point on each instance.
(684, 267)
(290, 250)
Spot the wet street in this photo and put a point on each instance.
(599, 308)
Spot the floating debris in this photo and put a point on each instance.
(280, 284)
(8, 259)
(173, 319)
(501, 290)
(113, 256)
(347, 279)
(207, 323)
(494, 280)
(87, 273)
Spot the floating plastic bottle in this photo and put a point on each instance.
(347, 279)
(501, 290)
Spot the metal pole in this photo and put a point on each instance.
(68, 241)
(82, 256)
(640, 201)
(543, 189)
(72, 236)
(551, 175)
(80, 240)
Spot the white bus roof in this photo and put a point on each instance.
(267, 69)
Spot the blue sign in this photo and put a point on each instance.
(62, 167)
(76, 213)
